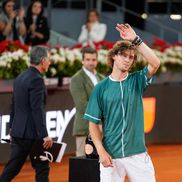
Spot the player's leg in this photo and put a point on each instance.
(115, 173)
(140, 168)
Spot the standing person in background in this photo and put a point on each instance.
(81, 86)
(117, 101)
(12, 21)
(27, 118)
(93, 30)
(37, 24)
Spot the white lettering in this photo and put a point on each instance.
(56, 122)
(60, 122)
(51, 123)
(68, 116)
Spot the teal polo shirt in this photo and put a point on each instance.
(118, 104)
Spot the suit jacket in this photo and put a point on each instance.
(81, 87)
(27, 118)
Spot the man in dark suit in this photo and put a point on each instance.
(82, 84)
(27, 118)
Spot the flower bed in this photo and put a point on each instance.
(14, 58)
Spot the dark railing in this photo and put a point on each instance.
(98, 4)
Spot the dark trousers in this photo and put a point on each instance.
(20, 149)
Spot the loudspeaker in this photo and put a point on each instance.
(138, 7)
(82, 169)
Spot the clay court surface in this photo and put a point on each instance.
(167, 161)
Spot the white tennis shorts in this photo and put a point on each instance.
(138, 168)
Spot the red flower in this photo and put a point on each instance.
(160, 44)
(79, 45)
(104, 44)
(12, 46)
(177, 44)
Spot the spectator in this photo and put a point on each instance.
(37, 25)
(12, 25)
(93, 30)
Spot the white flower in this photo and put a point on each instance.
(53, 71)
(163, 69)
(69, 54)
(102, 56)
(27, 59)
(53, 51)
(55, 58)
(77, 54)
(61, 51)
(3, 63)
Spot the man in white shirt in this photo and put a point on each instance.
(81, 87)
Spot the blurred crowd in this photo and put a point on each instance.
(30, 25)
